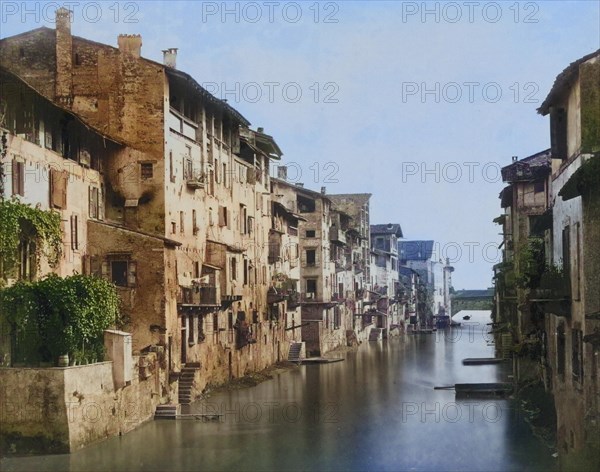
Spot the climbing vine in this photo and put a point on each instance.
(56, 316)
(531, 263)
(3, 152)
(20, 221)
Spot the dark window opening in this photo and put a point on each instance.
(118, 271)
(311, 257)
(306, 205)
(577, 355)
(560, 349)
(311, 286)
(539, 187)
(147, 170)
(311, 233)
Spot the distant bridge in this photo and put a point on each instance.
(472, 300)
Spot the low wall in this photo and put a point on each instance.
(62, 409)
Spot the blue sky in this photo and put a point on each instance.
(418, 104)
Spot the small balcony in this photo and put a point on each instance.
(553, 293)
(196, 180)
(336, 235)
(198, 296)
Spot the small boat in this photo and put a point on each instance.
(467, 317)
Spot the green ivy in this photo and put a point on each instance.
(3, 152)
(18, 220)
(531, 263)
(56, 316)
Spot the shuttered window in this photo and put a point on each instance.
(18, 178)
(58, 188)
(74, 232)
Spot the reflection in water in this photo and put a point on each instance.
(377, 411)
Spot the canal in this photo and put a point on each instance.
(377, 410)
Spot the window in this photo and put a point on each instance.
(560, 349)
(18, 178)
(311, 287)
(311, 257)
(566, 254)
(216, 322)
(123, 273)
(224, 174)
(577, 355)
(243, 220)
(196, 269)
(74, 233)
(171, 166)
(245, 271)
(27, 260)
(310, 233)
(223, 216)
(181, 222)
(187, 169)
(558, 133)
(306, 205)
(173, 227)
(233, 268)
(147, 170)
(93, 199)
(539, 187)
(194, 223)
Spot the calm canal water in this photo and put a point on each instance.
(377, 410)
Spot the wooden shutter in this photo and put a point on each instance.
(74, 233)
(222, 221)
(132, 274)
(58, 188)
(105, 270)
(93, 202)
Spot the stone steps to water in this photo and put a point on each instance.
(294, 352)
(168, 411)
(186, 382)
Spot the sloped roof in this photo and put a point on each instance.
(415, 250)
(563, 80)
(529, 168)
(390, 228)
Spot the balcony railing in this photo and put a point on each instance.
(196, 180)
(199, 296)
(336, 235)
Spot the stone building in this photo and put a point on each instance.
(572, 323)
(55, 161)
(356, 265)
(384, 275)
(186, 208)
(420, 256)
(526, 225)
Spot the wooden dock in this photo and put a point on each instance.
(482, 360)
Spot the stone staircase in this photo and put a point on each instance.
(166, 412)
(375, 334)
(186, 381)
(294, 352)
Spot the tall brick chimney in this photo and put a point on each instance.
(130, 44)
(64, 55)
(170, 57)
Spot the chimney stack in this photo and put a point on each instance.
(64, 55)
(300, 184)
(515, 158)
(170, 57)
(260, 129)
(130, 44)
(323, 190)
